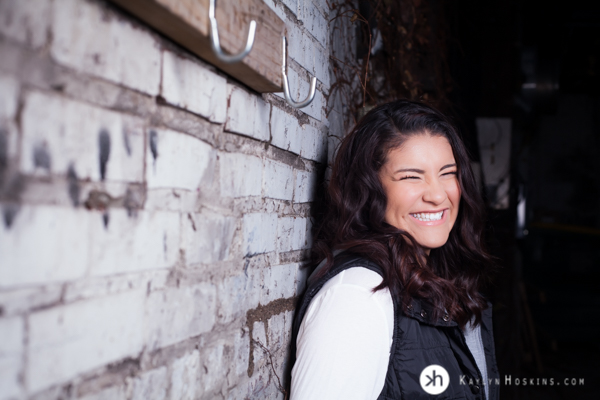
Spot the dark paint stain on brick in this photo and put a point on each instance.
(41, 157)
(192, 221)
(105, 219)
(3, 152)
(127, 142)
(98, 200)
(73, 185)
(104, 147)
(9, 212)
(153, 141)
(134, 199)
(262, 314)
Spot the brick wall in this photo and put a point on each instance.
(155, 213)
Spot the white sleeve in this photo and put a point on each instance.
(343, 344)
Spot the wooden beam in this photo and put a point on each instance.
(186, 22)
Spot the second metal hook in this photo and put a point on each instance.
(216, 45)
(286, 85)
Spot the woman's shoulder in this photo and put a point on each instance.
(359, 276)
(350, 294)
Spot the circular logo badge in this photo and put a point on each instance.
(434, 379)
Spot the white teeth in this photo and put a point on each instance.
(428, 216)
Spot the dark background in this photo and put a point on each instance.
(546, 293)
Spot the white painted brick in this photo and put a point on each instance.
(176, 314)
(184, 378)
(69, 132)
(285, 231)
(315, 108)
(208, 237)
(301, 278)
(241, 111)
(237, 294)
(189, 85)
(9, 93)
(44, 244)
(313, 143)
(259, 386)
(300, 47)
(284, 131)
(214, 366)
(261, 120)
(292, 5)
(292, 233)
(111, 393)
(241, 352)
(305, 186)
(277, 8)
(151, 385)
(94, 41)
(322, 67)
(149, 240)
(181, 160)
(91, 287)
(9, 97)
(301, 229)
(12, 332)
(305, 238)
(259, 334)
(260, 233)
(280, 331)
(278, 181)
(25, 21)
(315, 23)
(168, 199)
(279, 283)
(69, 340)
(240, 175)
(247, 114)
(19, 301)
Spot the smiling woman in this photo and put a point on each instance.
(394, 303)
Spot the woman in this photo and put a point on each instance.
(398, 288)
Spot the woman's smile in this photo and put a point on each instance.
(430, 218)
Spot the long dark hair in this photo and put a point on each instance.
(450, 277)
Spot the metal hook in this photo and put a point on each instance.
(286, 85)
(214, 36)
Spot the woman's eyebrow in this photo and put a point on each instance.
(420, 171)
(415, 170)
(448, 166)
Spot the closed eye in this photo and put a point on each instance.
(409, 177)
(451, 173)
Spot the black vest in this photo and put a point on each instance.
(417, 343)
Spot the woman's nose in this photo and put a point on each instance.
(435, 192)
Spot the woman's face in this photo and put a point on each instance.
(421, 184)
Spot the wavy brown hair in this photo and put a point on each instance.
(451, 276)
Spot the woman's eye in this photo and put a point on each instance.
(409, 177)
(451, 173)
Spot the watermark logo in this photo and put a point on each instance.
(434, 379)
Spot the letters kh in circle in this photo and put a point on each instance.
(434, 379)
